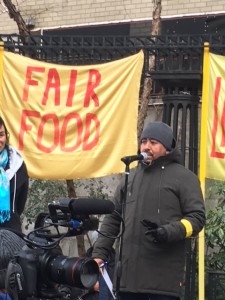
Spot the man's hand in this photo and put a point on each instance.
(157, 232)
(99, 261)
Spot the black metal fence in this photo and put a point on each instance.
(215, 289)
(180, 53)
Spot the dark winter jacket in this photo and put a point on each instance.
(166, 193)
(17, 174)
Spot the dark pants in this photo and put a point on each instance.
(136, 296)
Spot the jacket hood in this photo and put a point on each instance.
(15, 162)
(174, 155)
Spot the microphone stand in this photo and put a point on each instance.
(126, 161)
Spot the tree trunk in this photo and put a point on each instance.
(147, 89)
(16, 16)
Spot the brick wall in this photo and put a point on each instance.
(59, 13)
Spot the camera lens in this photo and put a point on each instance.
(74, 271)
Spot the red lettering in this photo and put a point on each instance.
(55, 133)
(88, 145)
(222, 126)
(25, 127)
(53, 82)
(215, 153)
(93, 81)
(72, 134)
(29, 81)
(71, 91)
(52, 88)
(78, 130)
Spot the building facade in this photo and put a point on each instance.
(121, 17)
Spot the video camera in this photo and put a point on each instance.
(40, 268)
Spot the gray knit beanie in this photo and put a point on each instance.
(160, 132)
(10, 244)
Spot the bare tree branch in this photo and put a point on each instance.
(15, 14)
(147, 89)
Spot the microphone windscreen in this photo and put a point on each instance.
(89, 206)
(144, 156)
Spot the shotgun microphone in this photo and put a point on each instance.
(91, 206)
(82, 206)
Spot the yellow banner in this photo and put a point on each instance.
(71, 122)
(215, 142)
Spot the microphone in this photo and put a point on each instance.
(86, 206)
(130, 159)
